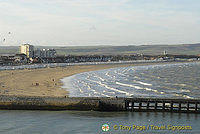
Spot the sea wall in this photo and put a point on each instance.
(60, 103)
(99, 104)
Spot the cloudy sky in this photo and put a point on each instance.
(99, 22)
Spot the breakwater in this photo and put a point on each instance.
(99, 104)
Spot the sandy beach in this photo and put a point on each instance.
(45, 81)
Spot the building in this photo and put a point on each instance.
(48, 53)
(28, 50)
(11, 59)
(20, 58)
(37, 53)
(52, 53)
(44, 55)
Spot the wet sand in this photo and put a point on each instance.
(45, 81)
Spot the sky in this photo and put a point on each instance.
(99, 22)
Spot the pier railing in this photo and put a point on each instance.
(170, 105)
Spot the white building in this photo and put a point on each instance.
(28, 50)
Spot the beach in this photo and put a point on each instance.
(46, 81)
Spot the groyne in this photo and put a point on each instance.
(99, 104)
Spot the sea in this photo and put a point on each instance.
(91, 122)
(180, 80)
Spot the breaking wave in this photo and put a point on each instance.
(165, 81)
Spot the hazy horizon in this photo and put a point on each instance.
(100, 45)
(96, 23)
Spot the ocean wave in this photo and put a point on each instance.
(184, 96)
(152, 80)
(156, 91)
(143, 83)
(137, 87)
(128, 85)
(99, 77)
(185, 90)
(110, 88)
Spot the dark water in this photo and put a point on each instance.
(181, 80)
(90, 122)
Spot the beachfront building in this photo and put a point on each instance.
(37, 53)
(31, 54)
(45, 53)
(28, 50)
(48, 53)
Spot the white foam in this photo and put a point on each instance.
(143, 83)
(180, 84)
(186, 96)
(128, 85)
(148, 89)
(105, 95)
(156, 91)
(137, 87)
(185, 90)
(107, 74)
(136, 77)
(114, 89)
(99, 77)
(80, 90)
(110, 92)
(121, 74)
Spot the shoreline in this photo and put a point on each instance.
(47, 81)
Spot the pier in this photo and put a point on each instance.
(99, 104)
(165, 105)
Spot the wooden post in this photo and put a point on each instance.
(188, 106)
(171, 106)
(132, 106)
(140, 105)
(179, 107)
(126, 105)
(156, 104)
(147, 104)
(196, 106)
(163, 105)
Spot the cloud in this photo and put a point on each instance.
(90, 22)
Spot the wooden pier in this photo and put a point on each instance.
(169, 105)
(99, 104)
